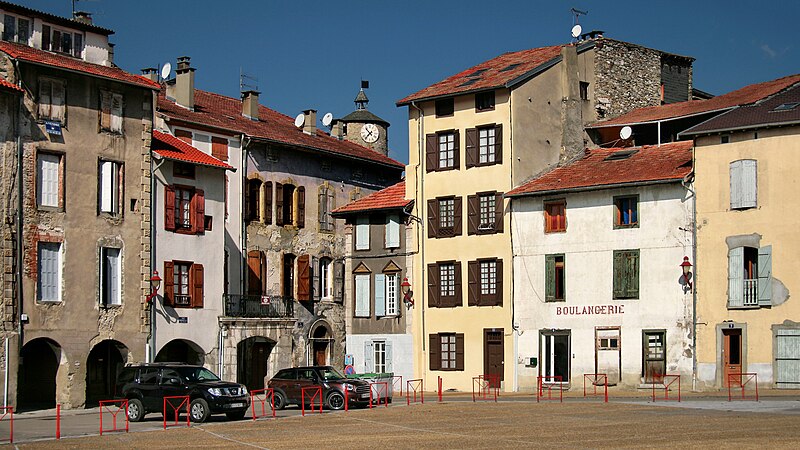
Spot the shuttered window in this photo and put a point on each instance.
(744, 185)
(485, 213)
(303, 278)
(484, 146)
(555, 282)
(444, 217)
(110, 277)
(110, 187)
(442, 151)
(48, 281)
(555, 216)
(219, 148)
(326, 198)
(256, 272)
(380, 295)
(485, 279)
(446, 351)
(183, 284)
(48, 170)
(52, 96)
(444, 284)
(362, 295)
(626, 211)
(750, 277)
(111, 112)
(626, 274)
(362, 233)
(184, 209)
(392, 238)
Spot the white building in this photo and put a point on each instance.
(598, 286)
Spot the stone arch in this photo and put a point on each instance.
(181, 350)
(252, 361)
(38, 367)
(320, 343)
(105, 361)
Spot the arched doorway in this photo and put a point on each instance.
(183, 351)
(38, 366)
(320, 339)
(252, 361)
(104, 363)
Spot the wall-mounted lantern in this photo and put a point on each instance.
(408, 294)
(686, 267)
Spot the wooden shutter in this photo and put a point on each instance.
(433, 218)
(431, 153)
(278, 204)
(435, 352)
(169, 208)
(362, 233)
(433, 285)
(459, 351)
(620, 279)
(197, 285)
(550, 278)
(338, 280)
(369, 360)
(301, 207)
(57, 109)
(362, 295)
(736, 184)
(457, 211)
(749, 183)
(322, 207)
(184, 135)
(304, 279)
(105, 110)
(380, 295)
(473, 208)
(316, 280)
(736, 277)
(219, 148)
(473, 280)
(456, 151)
(169, 278)
(457, 299)
(471, 151)
(498, 212)
(45, 37)
(263, 272)
(199, 199)
(268, 203)
(498, 144)
(765, 276)
(254, 272)
(632, 263)
(388, 354)
(498, 299)
(116, 113)
(45, 99)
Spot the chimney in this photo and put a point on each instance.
(83, 17)
(250, 104)
(110, 60)
(151, 73)
(184, 83)
(337, 129)
(310, 124)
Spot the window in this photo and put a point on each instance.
(446, 210)
(653, 356)
(554, 276)
(486, 282)
(484, 146)
(287, 279)
(445, 107)
(749, 277)
(219, 148)
(183, 284)
(444, 284)
(111, 112)
(391, 294)
(555, 216)
(446, 150)
(327, 198)
(252, 201)
(626, 211)
(555, 356)
(325, 277)
(362, 295)
(386, 295)
(362, 233)
(724, 139)
(49, 172)
(380, 356)
(442, 151)
(62, 41)
(184, 135)
(392, 238)
(110, 277)
(626, 274)
(52, 95)
(485, 213)
(109, 189)
(446, 351)
(183, 170)
(290, 205)
(256, 273)
(744, 185)
(48, 279)
(607, 338)
(584, 90)
(184, 209)
(484, 101)
(444, 217)
(16, 29)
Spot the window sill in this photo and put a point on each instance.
(112, 306)
(745, 307)
(624, 227)
(389, 316)
(49, 302)
(112, 133)
(41, 208)
(362, 317)
(625, 298)
(558, 300)
(554, 231)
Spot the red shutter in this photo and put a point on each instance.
(459, 351)
(301, 207)
(456, 151)
(254, 280)
(472, 147)
(184, 135)
(219, 148)
(304, 279)
(197, 285)
(433, 285)
(278, 204)
(473, 294)
(435, 351)
(457, 211)
(268, 202)
(431, 153)
(199, 211)
(498, 144)
(458, 299)
(472, 214)
(433, 220)
(498, 213)
(169, 208)
(498, 301)
(169, 277)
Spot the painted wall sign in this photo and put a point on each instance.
(589, 310)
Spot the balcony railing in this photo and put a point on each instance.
(258, 306)
(749, 295)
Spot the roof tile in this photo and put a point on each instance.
(5, 84)
(392, 197)
(170, 147)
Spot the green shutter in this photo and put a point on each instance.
(765, 276)
(619, 275)
(550, 278)
(633, 274)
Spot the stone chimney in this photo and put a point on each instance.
(83, 17)
(250, 104)
(184, 83)
(151, 73)
(310, 124)
(337, 129)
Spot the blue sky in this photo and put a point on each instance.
(312, 54)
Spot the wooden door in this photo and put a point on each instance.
(493, 355)
(320, 353)
(731, 355)
(654, 356)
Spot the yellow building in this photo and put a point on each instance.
(473, 137)
(747, 243)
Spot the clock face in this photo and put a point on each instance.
(370, 133)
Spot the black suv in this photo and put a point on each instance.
(146, 385)
(288, 385)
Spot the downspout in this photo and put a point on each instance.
(420, 179)
(694, 284)
(20, 218)
(658, 125)
(514, 328)
(244, 142)
(150, 355)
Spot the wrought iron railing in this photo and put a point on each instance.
(258, 306)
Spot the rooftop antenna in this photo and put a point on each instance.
(247, 82)
(74, 10)
(576, 27)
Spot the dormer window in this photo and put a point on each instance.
(16, 29)
(62, 41)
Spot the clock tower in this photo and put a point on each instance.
(365, 128)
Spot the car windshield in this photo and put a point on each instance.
(329, 373)
(193, 374)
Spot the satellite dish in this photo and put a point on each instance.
(166, 69)
(299, 120)
(327, 119)
(625, 132)
(576, 31)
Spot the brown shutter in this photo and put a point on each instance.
(105, 110)
(278, 204)
(459, 351)
(254, 280)
(498, 144)
(433, 219)
(472, 147)
(263, 272)
(268, 202)
(184, 135)
(169, 277)
(304, 278)
(46, 37)
(457, 211)
(197, 285)
(456, 150)
(301, 207)
(338, 280)
(498, 212)
(199, 211)
(472, 214)
(219, 148)
(431, 153)
(433, 285)
(473, 294)
(169, 208)
(458, 300)
(435, 351)
(499, 291)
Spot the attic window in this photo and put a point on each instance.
(622, 154)
(510, 67)
(787, 106)
(477, 73)
(469, 82)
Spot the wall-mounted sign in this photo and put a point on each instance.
(266, 300)
(589, 310)
(183, 320)
(53, 128)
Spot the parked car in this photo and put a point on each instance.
(146, 385)
(288, 385)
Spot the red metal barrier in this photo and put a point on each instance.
(261, 396)
(377, 388)
(415, 386)
(8, 411)
(395, 383)
(106, 406)
(58, 420)
(312, 393)
(483, 388)
(550, 383)
(742, 380)
(596, 379)
(667, 381)
(172, 406)
(439, 379)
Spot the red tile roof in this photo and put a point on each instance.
(36, 56)
(52, 18)
(5, 84)
(225, 113)
(649, 164)
(497, 72)
(744, 96)
(170, 147)
(392, 197)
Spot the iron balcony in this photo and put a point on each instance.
(258, 306)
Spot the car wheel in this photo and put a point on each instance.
(238, 415)
(279, 400)
(335, 400)
(199, 410)
(135, 410)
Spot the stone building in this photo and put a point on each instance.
(76, 241)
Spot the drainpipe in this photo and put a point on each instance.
(19, 218)
(684, 182)
(150, 349)
(514, 328)
(244, 141)
(420, 178)
(658, 124)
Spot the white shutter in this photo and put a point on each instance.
(49, 271)
(749, 183)
(113, 264)
(362, 233)
(116, 113)
(765, 276)
(106, 186)
(362, 296)
(369, 355)
(380, 295)
(736, 184)
(388, 350)
(48, 180)
(736, 277)
(392, 231)
(57, 104)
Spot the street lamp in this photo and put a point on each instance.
(686, 266)
(155, 284)
(408, 294)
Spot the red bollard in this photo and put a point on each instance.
(58, 420)
(440, 389)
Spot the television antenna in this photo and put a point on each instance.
(74, 10)
(576, 27)
(247, 82)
